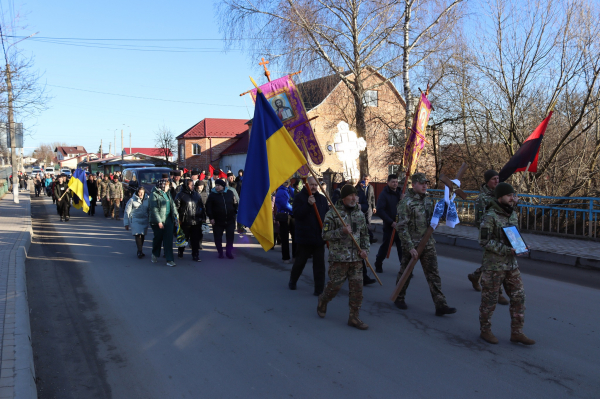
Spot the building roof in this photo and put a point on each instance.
(315, 91)
(154, 152)
(70, 150)
(214, 127)
(240, 146)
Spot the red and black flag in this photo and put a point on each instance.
(526, 157)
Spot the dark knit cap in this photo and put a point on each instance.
(174, 173)
(503, 189)
(489, 174)
(195, 172)
(347, 190)
(220, 182)
(165, 175)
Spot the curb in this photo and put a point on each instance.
(17, 352)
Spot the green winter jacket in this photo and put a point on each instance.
(341, 247)
(497, 253)
(158, 206)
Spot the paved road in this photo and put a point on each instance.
(106, 324)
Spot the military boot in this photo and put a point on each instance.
(321, 307)
(502, 300)
(488, 336)
(522, 338)
(475, 281)
(354, 321)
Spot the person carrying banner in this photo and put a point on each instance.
(63, 198)
(414, 217)
(500, 266)
(486, 195)
(345, 261)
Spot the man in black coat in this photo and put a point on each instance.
(308, 235)
(191, 216)
(63, 198)
(387, 210)
(92, 193)
(221, 208)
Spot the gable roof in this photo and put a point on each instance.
(153, 152)
(240, 146)
(71, 150)
(315, 91)
(214, 127)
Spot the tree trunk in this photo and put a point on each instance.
(405, 72)
(361, 129)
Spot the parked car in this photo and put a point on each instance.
(146, 176)
(50, 170)
(65, 171)
(36, 170)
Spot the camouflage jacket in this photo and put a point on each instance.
(341, 247)
(414, 217)
(102, 188)
(115, 190)
(486, 195)
(497, 253)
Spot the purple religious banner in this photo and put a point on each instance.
(285, 99)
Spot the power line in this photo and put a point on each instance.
(146, 98)
(139, 40)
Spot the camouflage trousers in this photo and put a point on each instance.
(430, 268)
(338, 273)
(115, 207)
(106, 207)
(491, 281)
(477, 274)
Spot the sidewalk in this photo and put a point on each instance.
(562, 250)
(17, 373)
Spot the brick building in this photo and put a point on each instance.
(203, 143)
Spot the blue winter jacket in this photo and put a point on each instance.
(282, 199)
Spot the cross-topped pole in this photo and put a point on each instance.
(264, 65)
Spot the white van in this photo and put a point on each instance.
(50, 170)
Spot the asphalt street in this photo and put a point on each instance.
(108, 325)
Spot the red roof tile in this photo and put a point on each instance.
(71, 150)
(240, 146)
(153, 152)
(213, 127)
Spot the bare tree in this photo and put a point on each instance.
(44, 153)
(353, 39)
(164, 139)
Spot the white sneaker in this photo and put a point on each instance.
(171, 264)
(154, 260)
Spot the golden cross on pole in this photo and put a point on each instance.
(264, 65)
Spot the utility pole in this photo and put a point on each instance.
(109, 148)
(130, 142)
(101, 152)
(11, 132)
(121, 147)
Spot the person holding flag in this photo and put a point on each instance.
(63, 198)
(78, 186)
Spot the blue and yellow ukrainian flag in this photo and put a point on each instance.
(78, 186)
(272, 158)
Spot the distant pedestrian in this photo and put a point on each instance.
(221, 208)
(191, 216)
(115, 192)
(136, 218)
(104, 195)
(163, 215)
(239, 180)
(38, 185)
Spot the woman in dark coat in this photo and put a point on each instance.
(191, 215)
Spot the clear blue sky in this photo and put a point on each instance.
(83, 118)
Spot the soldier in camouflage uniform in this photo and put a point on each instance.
(115, 193)
(345, 260)
(103, 193)
(486, 195)
(500, 266)
(413, 218)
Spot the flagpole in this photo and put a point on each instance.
(310, 194)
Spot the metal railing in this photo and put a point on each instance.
(571, 216)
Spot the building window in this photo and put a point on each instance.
(394, 136)
(182, 152)
(394, 170)
(196, 149)
(370, 98)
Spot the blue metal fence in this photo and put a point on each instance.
(573, 216)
